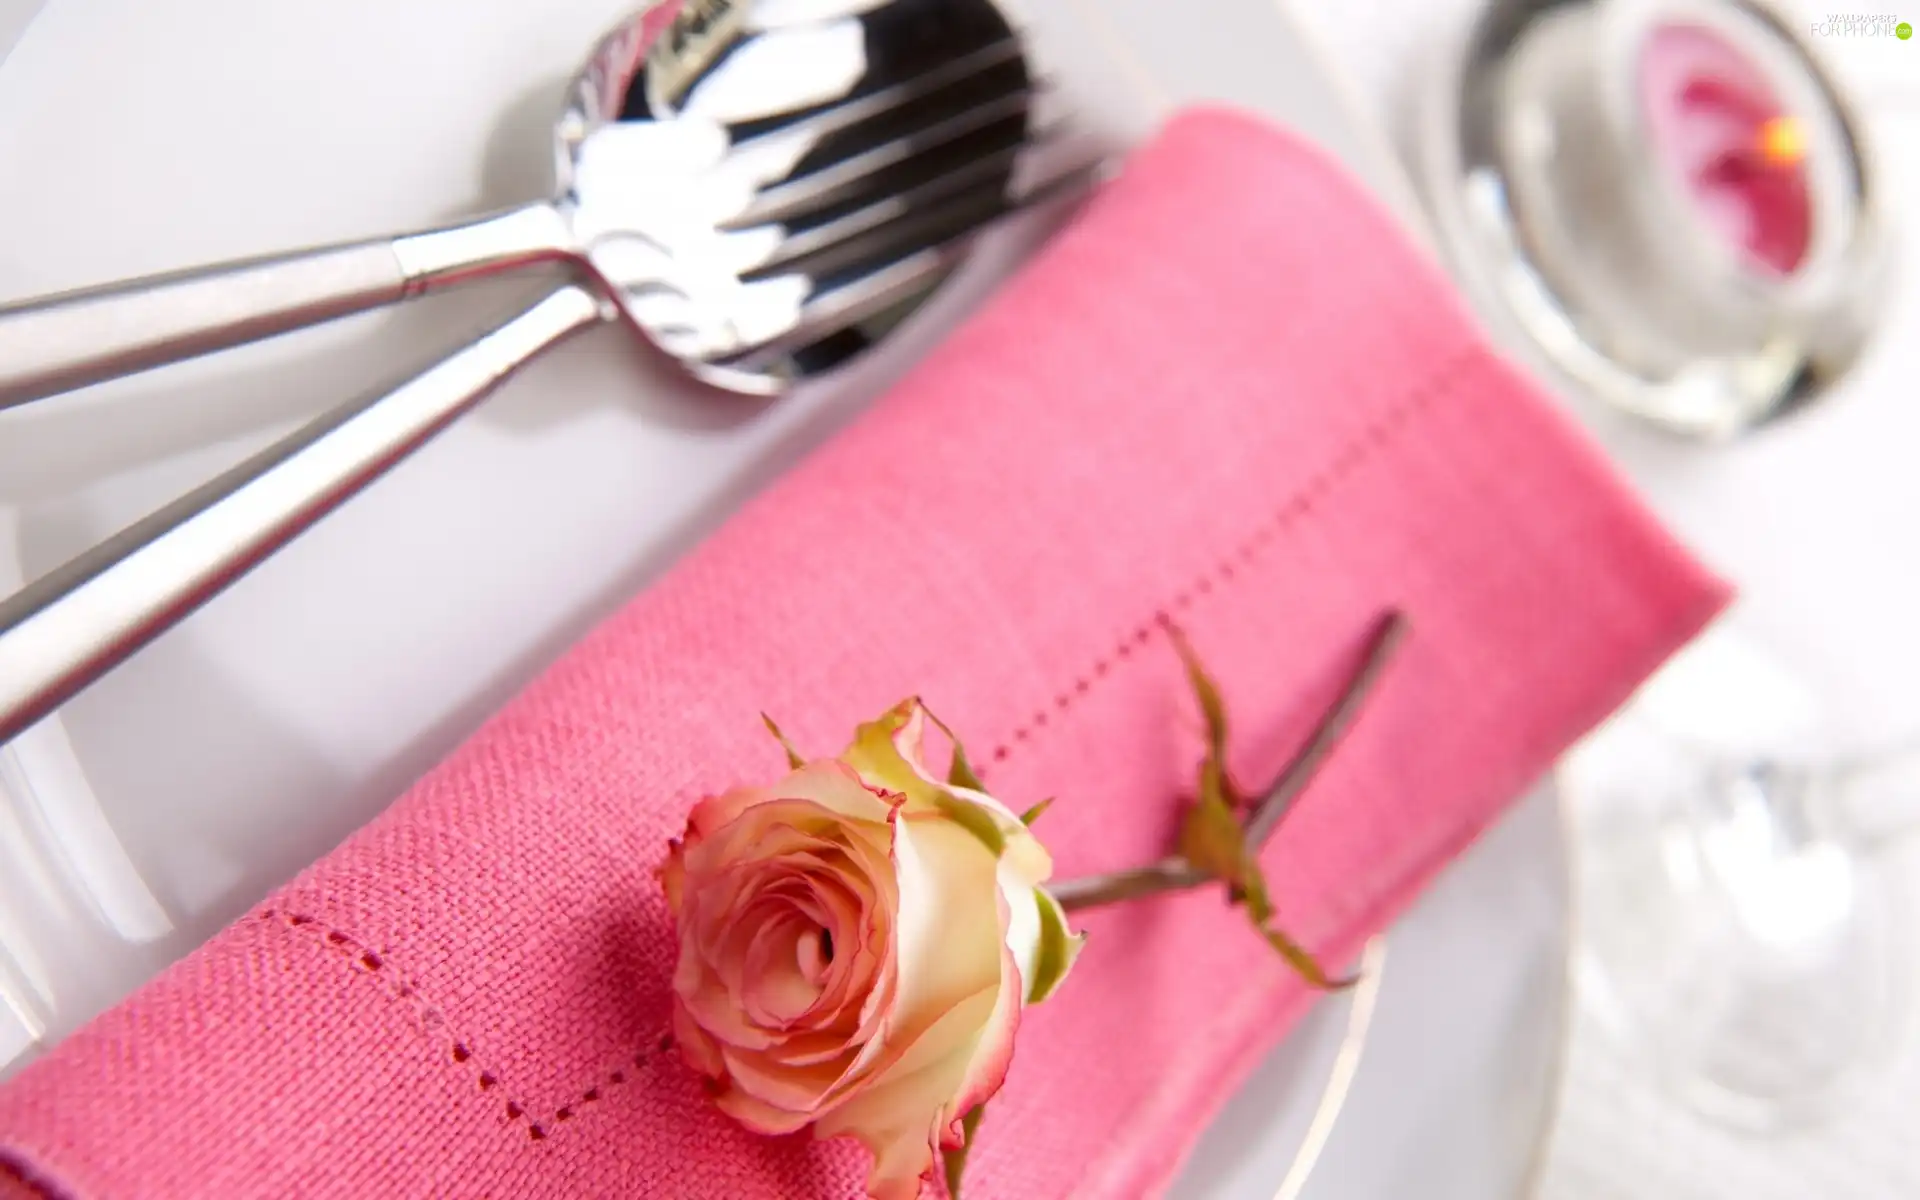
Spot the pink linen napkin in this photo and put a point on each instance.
(1230, 393)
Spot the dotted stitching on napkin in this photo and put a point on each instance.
(364, 960)
(1377, 436)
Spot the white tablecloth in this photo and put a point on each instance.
(1816, 522)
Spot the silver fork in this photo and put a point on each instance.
(688, 150)
(756, 266)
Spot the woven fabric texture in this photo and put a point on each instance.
(1231, 394)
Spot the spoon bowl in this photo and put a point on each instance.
(752, 188)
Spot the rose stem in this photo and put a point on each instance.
(1172, 874)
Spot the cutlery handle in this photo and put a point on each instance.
(59, 343)
(60, 633)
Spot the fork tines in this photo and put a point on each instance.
(912, 254)
(865, 204)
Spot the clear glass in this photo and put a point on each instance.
(1743, 936)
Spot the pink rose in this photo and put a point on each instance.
(857, 942)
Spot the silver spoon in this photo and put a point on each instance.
(752, 285)
(718, 171)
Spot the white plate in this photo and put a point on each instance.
(138, 137)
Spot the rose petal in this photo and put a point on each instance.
(784, 1085)
(897, 1116)
(832, 856)
(808, 1050)
(713, 1007)
(774, 993)
(753, 963)
(1022, 908)
(700, 1051)
(766, 832)
(883, 754)
(947, 933)
(812, 959)
(846, 977)
(672, 874)
(947, 947)
(830, 784)
(721, 907)
(990, 1058)
(759, 1116)
(888, 754)
(713, 813)
(840, 905)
